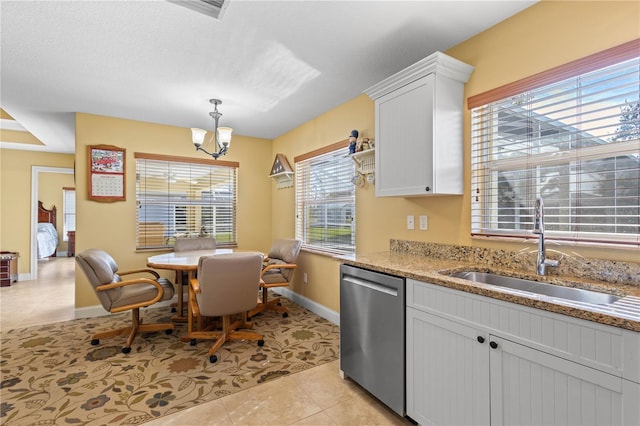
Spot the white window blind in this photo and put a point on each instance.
(179, 196)
(573, 142)
(69, 209)
(325, 200)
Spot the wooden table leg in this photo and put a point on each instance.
(190, 300)
(179, 317)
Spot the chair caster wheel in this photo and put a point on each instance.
(169, 331)
(95, 342)
(284, 315)
(213, 359)
(193, 342)
(260, 342)
(126, 350)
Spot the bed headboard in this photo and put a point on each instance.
(47, 216)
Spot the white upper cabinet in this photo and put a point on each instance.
(419, 119)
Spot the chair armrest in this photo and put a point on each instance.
(195, 285)
(140, 271)
(125, 283)
(278, 266)
(194, 288)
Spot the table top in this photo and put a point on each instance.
(182, 260)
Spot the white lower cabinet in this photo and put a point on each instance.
(530, 387)
(447, 372)
(461, 372)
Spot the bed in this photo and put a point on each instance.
(47, 235)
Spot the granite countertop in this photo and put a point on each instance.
(624, 313)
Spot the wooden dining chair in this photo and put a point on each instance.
(226, 287)
(118, 295)
(182, 277)
(278, 269)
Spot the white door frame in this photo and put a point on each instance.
(35, 174)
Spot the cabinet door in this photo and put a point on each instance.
(447, 372)
(531, 387)
(404, 133)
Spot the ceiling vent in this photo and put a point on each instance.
(213, 8)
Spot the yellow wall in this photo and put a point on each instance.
(15, 197)
(112, 226)
(543, 36)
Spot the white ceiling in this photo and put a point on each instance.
(274, 64)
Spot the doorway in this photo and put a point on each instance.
(35, 175)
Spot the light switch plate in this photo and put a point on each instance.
(424, 223)
(410, 222)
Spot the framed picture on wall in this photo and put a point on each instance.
(107, 173)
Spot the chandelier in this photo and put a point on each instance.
(221, 135)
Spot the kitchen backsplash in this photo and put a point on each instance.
(571, 264)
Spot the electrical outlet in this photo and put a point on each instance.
(424, 223)
(410, 222)
(304, 277)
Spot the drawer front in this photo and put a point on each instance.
(609, 349)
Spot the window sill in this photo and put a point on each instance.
(558, 242)
(323, 252)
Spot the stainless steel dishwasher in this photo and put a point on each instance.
(372, 333)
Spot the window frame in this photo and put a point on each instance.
(338, 154)
(480, 150)
(175, 202)
(65, 212)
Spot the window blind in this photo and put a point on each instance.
(179, 197)
(573, 142)
(325, 200)
(69, 209)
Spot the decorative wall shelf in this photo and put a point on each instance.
(283, 180)
(282, 172)
(365, 161)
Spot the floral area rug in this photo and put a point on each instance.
(52, 375)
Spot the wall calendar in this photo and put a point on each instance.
(107, 173)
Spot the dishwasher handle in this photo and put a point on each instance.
(372, 286)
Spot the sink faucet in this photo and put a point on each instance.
(538, 228)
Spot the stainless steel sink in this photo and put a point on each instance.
(552, 290)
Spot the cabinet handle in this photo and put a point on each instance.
(427, 189)
(480, 339)
(493, 345)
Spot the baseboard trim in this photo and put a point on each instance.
(24, 277)
(309, 304)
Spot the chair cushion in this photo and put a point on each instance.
(100, 268)
(197, 243)
(276, 275)
(285, 249)
(228, 283)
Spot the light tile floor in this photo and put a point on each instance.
(50, 298)
(317, 396)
